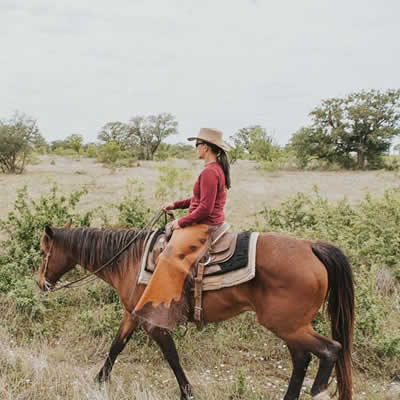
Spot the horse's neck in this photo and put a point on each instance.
(124, 268)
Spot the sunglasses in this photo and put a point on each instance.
(199, 143)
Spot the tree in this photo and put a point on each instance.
(18, 137)
(261, 145)
(138, 136)
(148, 133)
(117, 132)
(75, 142)
(363, 124)
(159, 127)
(241, 139)
(58, 144)
(309, 144)
(141, 135)
(254, 141)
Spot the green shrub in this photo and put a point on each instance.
(26, 296)
(23, 228)
(91, 151)
(389, 347)
(59, 151)
(132, 210)
(173, 183)
(271, 165)
(109, 153)
(161, 155)
(99, 321)
(127, 161)
(178, 151)
(391, 163)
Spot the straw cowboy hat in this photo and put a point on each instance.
(211, 136)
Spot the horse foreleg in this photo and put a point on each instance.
(300, 359)
(167, 346)
(126, 328)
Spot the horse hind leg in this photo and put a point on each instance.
(327, 350)
(300, 360)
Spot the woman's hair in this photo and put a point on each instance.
(222, 160)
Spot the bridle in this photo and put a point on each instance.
(47, 284)
(92, 275)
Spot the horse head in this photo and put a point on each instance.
(55, 260)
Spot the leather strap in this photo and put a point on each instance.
(198, 292)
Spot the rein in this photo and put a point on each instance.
(92, 275)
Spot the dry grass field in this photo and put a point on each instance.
(251, 188)
(63, 367)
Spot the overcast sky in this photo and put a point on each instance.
(76, 65)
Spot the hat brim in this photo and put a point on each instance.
(224, 146)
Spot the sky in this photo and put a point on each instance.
(226, 64)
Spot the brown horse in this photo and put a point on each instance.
(293, 279)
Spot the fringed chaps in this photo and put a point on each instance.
(165, 301)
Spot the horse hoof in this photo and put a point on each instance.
(100, 378)
(187, 393)
(322, 396)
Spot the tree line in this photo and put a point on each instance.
(355, 131)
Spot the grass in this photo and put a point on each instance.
(220, 365)
(233, 360)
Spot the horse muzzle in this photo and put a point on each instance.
(44, 284)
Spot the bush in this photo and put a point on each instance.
(91, 151)
(126, 160)
(18, 138)
(173, 182)
(132, 210)
(161, 155)
(59, 151)
(391, 163)
(271, 166)
(99, 321)
(179, 151)
(24, 226)
(109, 153)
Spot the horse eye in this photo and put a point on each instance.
(41, 253)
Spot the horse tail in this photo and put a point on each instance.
(340, 297)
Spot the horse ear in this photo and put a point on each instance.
(68, 225)
(49, 231)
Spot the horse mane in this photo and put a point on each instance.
(94, 246)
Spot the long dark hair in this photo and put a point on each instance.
(222, 160)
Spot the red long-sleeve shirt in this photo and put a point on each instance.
(206, 206)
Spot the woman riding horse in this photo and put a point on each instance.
(165, 301)
(294, 277)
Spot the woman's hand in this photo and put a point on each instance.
(175, 225)
(168, 207)
(170, 227)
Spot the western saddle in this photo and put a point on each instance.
(222, 248)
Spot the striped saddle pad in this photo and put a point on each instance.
(229, 262)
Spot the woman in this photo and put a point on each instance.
(209, 191)
(164, 302)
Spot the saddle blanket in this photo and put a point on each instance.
(214, 281)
